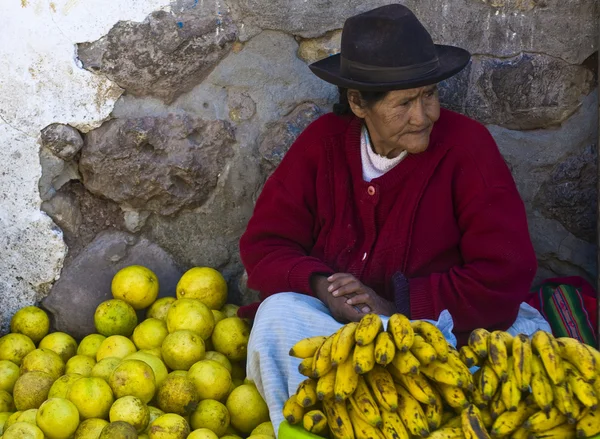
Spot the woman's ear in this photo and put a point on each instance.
(356, 103)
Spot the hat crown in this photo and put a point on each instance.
(389, 36)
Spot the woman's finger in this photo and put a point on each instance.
(340, 282)
(350, 288)
(360, 299)
(337, 276)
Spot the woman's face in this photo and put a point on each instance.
(402, 121)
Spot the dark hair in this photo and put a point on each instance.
(369, 97)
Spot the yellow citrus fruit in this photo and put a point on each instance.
(3, 418)
(154, 413)
(23, 430)
(230, 310)
(160, 308)
(142, 436)
(218, 315)
(9, 372)
(212, 380)
(6, 402)
(150, 334)
(43, 360)
(104, 368)
(58, 418)
(230, 338)
(158, 367)
(247, 408)
(219, 358)
(131, 410)
(191, 314)
(14, 347)
(169, 426)
(231, 436)
(202, 433)
(92, 397)
(181, 349)
(31, 390)
(119, 429)
(80, 364)
(90, 429)
(28, 416)
(115, 317)
(60, 387)
(136, 285)
(177, 394)
(90, 344)
(265, 428)
(211, 414)
(260, 436)
(154, 351)
(32, 322)
(115, 346)
(63, 344)
(133, 378)
(13, 418)
(205, 284)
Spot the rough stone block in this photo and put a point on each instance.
(63, 140)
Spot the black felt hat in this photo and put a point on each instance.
(388, 48)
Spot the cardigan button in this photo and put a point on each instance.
(371, 190)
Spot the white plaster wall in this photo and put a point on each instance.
(41, 83)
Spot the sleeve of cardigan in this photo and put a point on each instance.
(499, 261)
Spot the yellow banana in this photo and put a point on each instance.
(521, 433)
(343, 343)
(326, 385)
(547, 348)
(508, 422)
(479, 341)
(454, 396)
(455, 362)
(565, 431)
(385, 349)
(511, 394)
(306, 395)
(472, 424)
(322, 358)
(292, 411)
(338, 420)
(589, 424)
(469, 357)
(454, 422)
(508, 341)
(486, 417)
(418, 386)
(541, 388)
(433, 336)
(422, 350)
(393, 428)
(402, 332)
(563, 399)
(383, 389)
(364, 358)
(306, 367)
(412, 414)
(406, 363)
(581, 389)
(498, 355)
(497, 407)
(522, 354)
(367, 330)
(443, 373)
(542, 421)
(447, 433)
(346, 380)
(362, 429)
(476, 395)
(434, 412)
(315, 422)
(488, 382)
(366, 404)
(580, 355)
(307, 347)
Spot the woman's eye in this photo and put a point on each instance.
(404, 103)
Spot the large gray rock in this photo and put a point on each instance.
(56, 172)
(86, 282)
(63, 140)
(166, 55)
(500, 27)
(526, 92)
(156, 164)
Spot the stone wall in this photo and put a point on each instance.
(151, 144)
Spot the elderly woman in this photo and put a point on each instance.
(390, 205)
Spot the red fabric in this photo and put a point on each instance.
(588, 293)
(450, 219)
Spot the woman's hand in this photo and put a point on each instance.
(356, 294)
(340, 309)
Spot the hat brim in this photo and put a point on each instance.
(451, 61)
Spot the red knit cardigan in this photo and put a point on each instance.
(444, 229)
